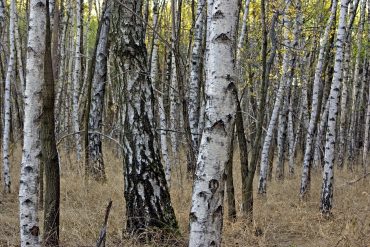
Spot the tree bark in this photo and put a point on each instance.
(195, 76)
(95, 166)
(147, 196)
(208, 190)
(32, 152)
(10, 78)
(77, 79)
(317, 85)
(50, 159)
(284, 82)
(328, 172)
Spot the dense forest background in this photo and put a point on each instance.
(192, 120)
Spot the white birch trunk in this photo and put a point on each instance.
(328, 172)
(282, 138)
(96, 161)
(208, 191)
(356, 86)
(321, 127)
(305, 178)
(285, 80)
(174, 93)
(365, 161)
(291, 140)
(243, 36)
(76, 80)
(19, 53)
(2, 13)
(365, 151)
(10, 78)
(195, 75)
(63, 67)
(161, 110)
(31, 157)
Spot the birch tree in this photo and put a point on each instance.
(208, 190)
(31, 157)
(2, 16)
(77, 78)
(285, 80)
(95, 166)
(10, 78)
(147, 196)
(160, 96)
(317, 85)
(356, 86)
(328, 172)
(195, 75)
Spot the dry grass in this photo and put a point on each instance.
(281, 219)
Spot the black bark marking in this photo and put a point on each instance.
(193, 217)
(222, 38)
(218, 14)
(213, 185)
(219, 125)
(35, 231)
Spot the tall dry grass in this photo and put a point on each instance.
(279, 220)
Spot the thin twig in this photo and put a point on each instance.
(90, 132)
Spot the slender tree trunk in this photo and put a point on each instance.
(247, 192)
(317, 85)
(365, 161)
(230, 191)
(174, 89)
(356, 88)
(10, 78)
(208, 191)
(32, 152)
(2, 17)
(63, 67)
(328, 172)
(285, 80)
(95, 166)
(50, 159)
(365, 152)
(282, 139)
(147, 196)
(195, 76)
(77, 79)
(160, 96)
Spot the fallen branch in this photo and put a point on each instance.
(356, 180)
(103, 231)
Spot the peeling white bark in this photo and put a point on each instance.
(208, 191)
(31, 157)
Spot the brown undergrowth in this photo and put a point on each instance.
(279, 220)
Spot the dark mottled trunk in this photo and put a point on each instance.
(147, 196)
(49, 150)
(96, 93)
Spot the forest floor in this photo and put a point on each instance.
(279, 220)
